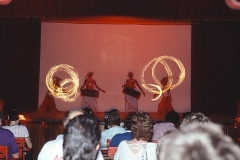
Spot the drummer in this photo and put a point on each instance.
(90, 84)
(131, 103)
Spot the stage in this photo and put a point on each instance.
(58, 117)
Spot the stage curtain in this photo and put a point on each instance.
(19, 63)
(215, 67)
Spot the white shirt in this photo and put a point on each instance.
(53, 150)
(125, 153)
(18, 130)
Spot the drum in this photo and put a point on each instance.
(132, 92)
(90, 93)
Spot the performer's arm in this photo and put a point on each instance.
(124, 85)
(98, 87)
(84, 84)
(140, 88)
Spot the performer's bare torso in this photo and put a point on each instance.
(90, 84)
(130, 83)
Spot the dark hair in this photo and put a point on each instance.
(142, 126)
(114, 117)
(14, 115)
(81, 137)
(88, 110)
(127, 121)
(1, 116)
(172, 117)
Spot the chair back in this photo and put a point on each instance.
(4, 152)
(21, 146)
(108, 142)
(110, 150)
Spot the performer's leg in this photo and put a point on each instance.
(131, 104)
(162, 106)
(90, 102)
(169, 106)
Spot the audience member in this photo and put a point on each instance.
(123, 136)
(7, 139)
(138, 148)
(171, 122)
(82, 138)
(88, 110)
(114, 121)
(16, 129)
(195, 117)
(197, 141)
(54, 149)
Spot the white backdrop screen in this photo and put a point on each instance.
(111, 51)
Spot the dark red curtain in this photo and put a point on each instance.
(19, 63)
(215, 67)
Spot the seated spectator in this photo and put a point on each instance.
(19, 131)
(16, 129)
(53, 149)
(171, 121)
(195, 117)
(7, 139)
(114, 121)
(197, 141)
(123, 136)
(82, 138)
(138, 148)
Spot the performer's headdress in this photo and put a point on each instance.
(130, 73)
(90, 74)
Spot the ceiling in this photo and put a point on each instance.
(159, 10)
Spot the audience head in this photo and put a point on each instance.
(88, 110)
(195, 117)
(71, 114)
(172, 117)
(81, 138)
(127, 121)
(142, 126)
(14, 115)
(114, 117)
(197, 141)
(185, 114)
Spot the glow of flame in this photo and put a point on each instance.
(68, 91)
(21, 117)
(157, 88)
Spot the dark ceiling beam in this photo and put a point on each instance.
(171, 10)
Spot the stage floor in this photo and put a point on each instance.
(37, 116)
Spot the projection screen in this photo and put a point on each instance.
(111, 51)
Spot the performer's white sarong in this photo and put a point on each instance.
(90, 102)
(131, 103)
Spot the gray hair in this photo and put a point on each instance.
(197, 142)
